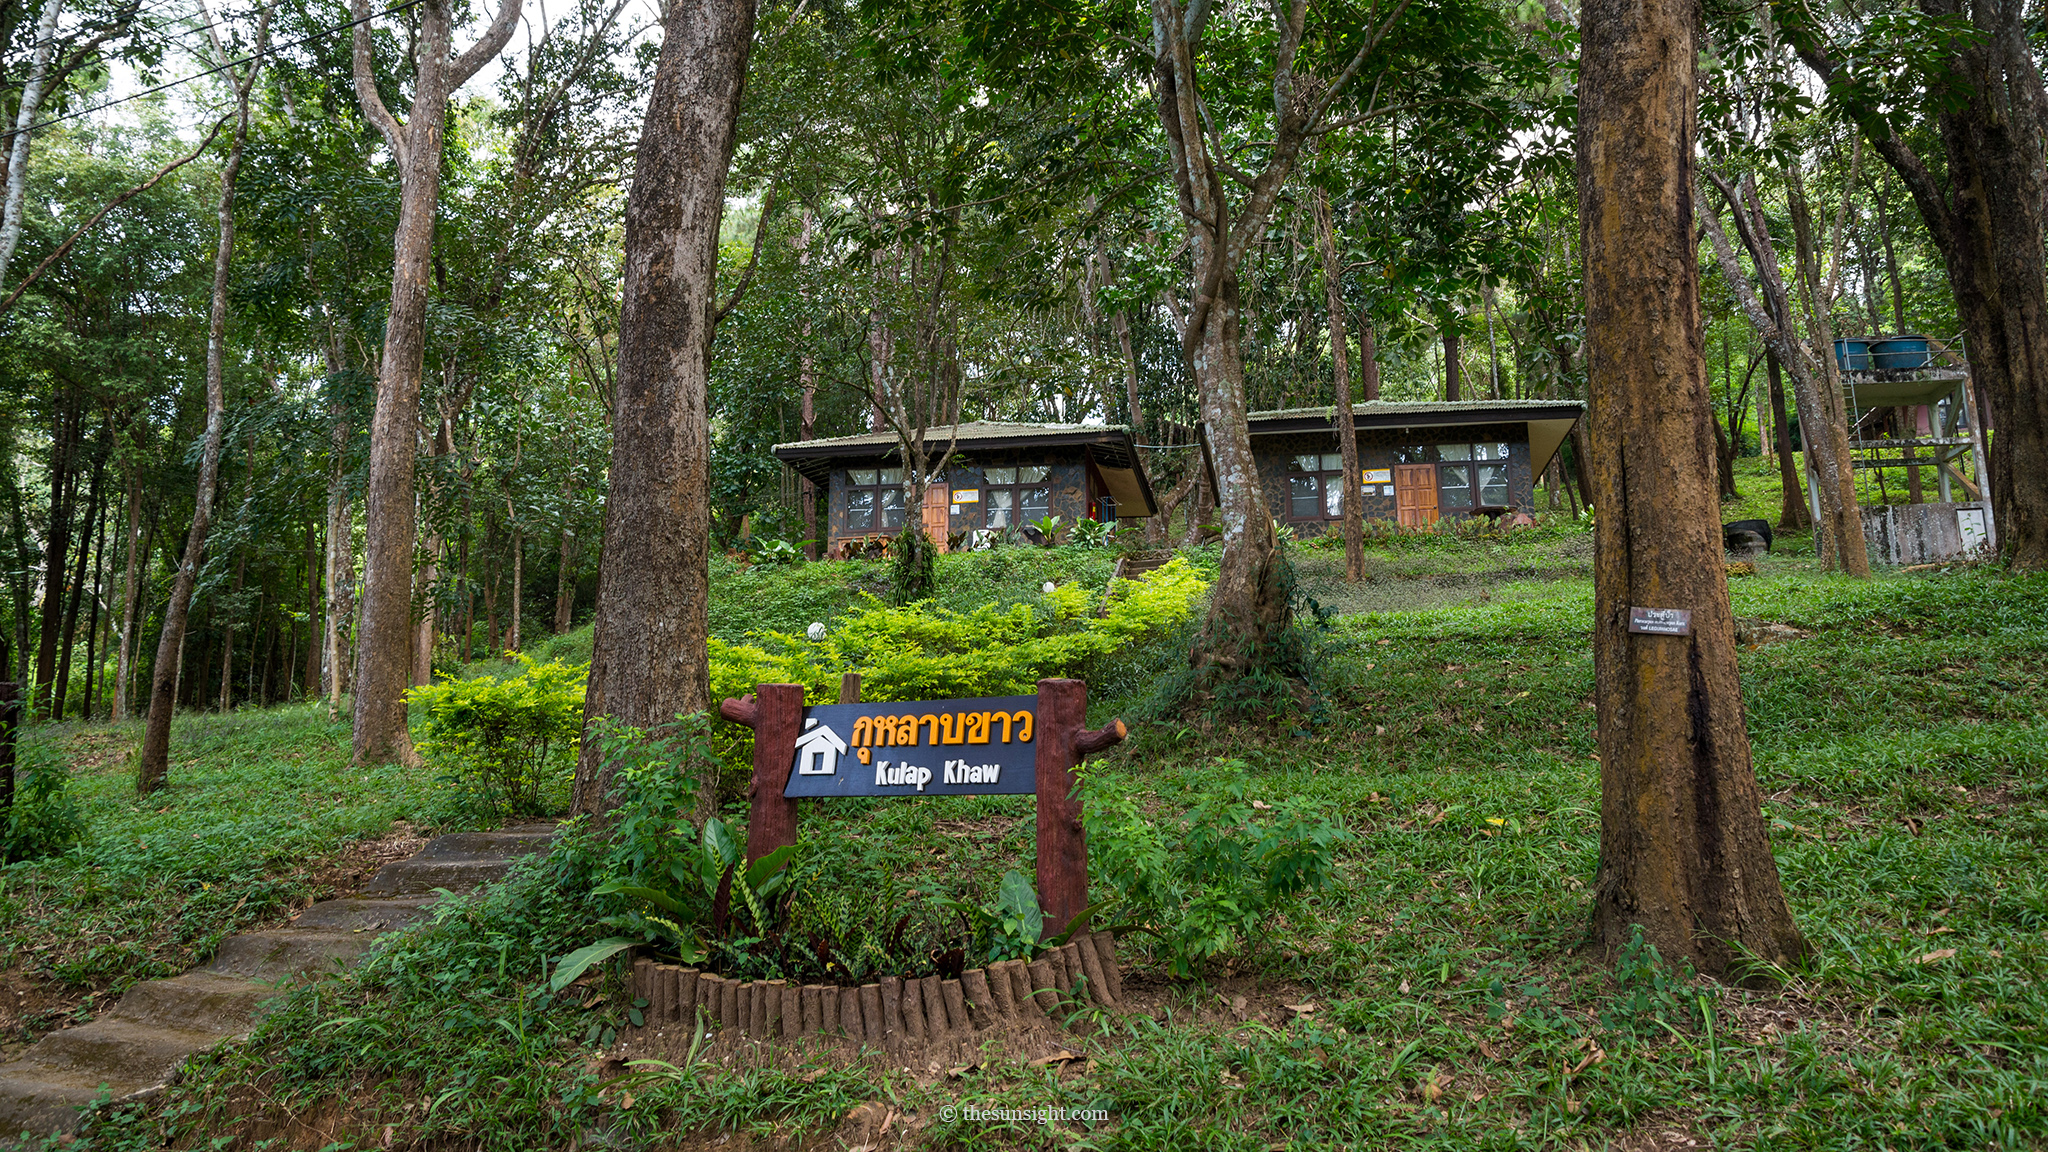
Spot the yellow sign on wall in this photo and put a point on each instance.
(1379, 476)
(966, 495)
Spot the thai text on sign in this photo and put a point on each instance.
(974, 747)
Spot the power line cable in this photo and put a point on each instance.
(211, 71)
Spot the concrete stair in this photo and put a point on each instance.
(135, 1050)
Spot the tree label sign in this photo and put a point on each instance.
(981, 747)
(1660, 621)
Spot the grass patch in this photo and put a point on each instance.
(1900, 730)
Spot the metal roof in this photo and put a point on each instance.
(1111, 445)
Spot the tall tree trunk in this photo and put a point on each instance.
(649, 662)
(57, 546)
(1985, 214)
(807, 383)
(1453, 371)
(1792, 511)
(27, 108)
(1368, 359)
(153, 761)
(565, 584)
(309, 685)
(1351, 483)
(518, 586)
(131, 596)
(70, 636)
(384, 637)
(1684, 851)
(92, 620)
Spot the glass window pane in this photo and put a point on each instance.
(892, 475)
(1034, 474)
(1307, 463)
(1493, 484)
(1454, 451)
(1456, 481)
(999, 507)
(892, 507)
(1333, 461)
(1304, 501)
(861, 476)
(1000, 475)
(860, 508)
(1419, 454)
(1033, 503)
(1333, 497)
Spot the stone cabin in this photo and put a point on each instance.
(1420, 461)
(1000, 476)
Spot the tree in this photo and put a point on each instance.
(1351, 483)
(1985, 213)
(1684, 852)
(154, 759)
(384, 638)
(649, 661)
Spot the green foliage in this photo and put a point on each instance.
(44, 819)
(1012, 928)
(913, 564)
(1203, 880)
(1091, 533)
(509, 746)
(1654, 996)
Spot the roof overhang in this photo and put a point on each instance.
(1548, 421)
(1110, 447)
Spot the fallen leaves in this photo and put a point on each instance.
(1937, 954)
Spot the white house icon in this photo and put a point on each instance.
(817, 751)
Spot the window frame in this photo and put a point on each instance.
(1015, 489)
(1322, 478)
(877, 516)
(1472, 462)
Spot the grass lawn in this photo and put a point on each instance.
(1900, 728)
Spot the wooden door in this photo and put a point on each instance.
(1415, 494)
(938, 519)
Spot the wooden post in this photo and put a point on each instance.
(775, 712)
(10, 726)
(1062, 845)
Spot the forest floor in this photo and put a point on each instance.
(1440, 992)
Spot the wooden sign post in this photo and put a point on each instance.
(982, 742)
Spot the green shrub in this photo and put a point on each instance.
(508, 745)
(1201, 880)
(44, 820)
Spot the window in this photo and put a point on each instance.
(874, 499)
(1313, 492)
(1472, 475)
(1016, 496)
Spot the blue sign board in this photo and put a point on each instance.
(982, 747)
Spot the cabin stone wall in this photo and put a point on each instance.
(1376, 449)
(1067, 477)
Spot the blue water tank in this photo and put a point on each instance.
(1853, 355)
(1901, 353)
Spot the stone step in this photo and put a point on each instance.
(349, 914)
(38, 1101)
(286, 953)
(138, 1045)
(198, 1000)
(117, 1051)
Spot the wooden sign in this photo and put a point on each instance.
(982, 747)
(1002, 745)
(1660, 621)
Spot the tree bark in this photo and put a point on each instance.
(309, 686)
(27, 107)
(384, 637)
(1792, 511)
(77, 582)
(66, 434)
(1985, 215)
(153, 761)
(1684, 851)
(1351, 483)
(648, 662)
(1453, 377)
(565, 585)
(92, 620)
(131, 597)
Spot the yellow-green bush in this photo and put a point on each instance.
(926, 652)
(510, 745)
